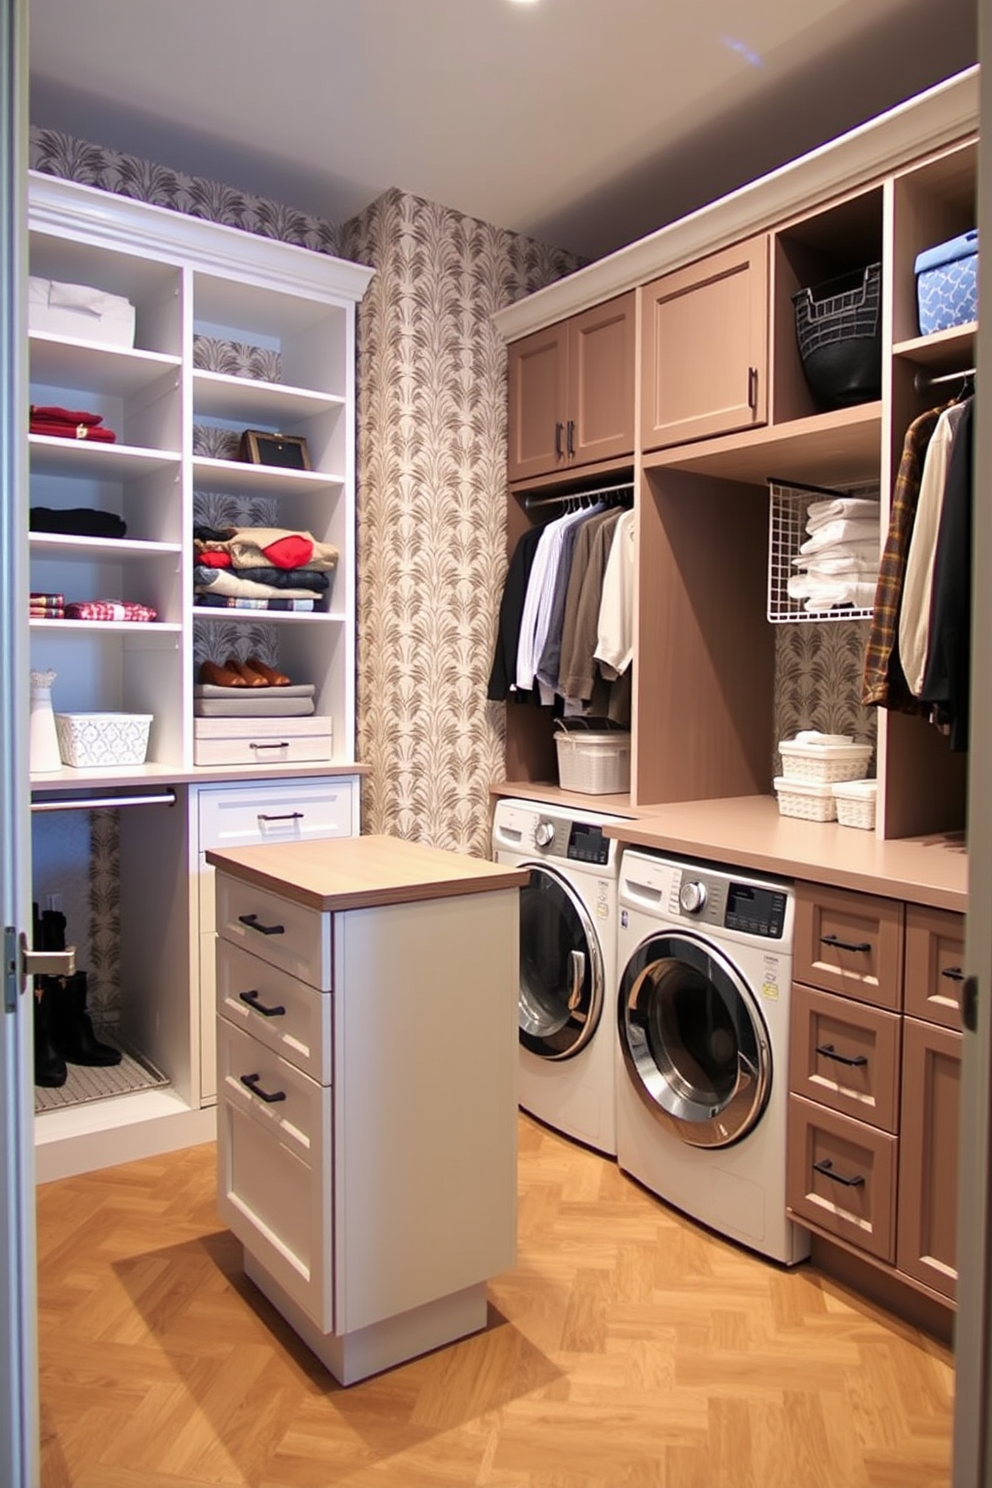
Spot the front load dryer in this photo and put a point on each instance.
(568, 913)
(705, 958)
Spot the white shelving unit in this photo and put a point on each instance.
(186, 279)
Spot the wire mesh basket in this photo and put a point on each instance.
(788, 512)
(838, 328)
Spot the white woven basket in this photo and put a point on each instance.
(823, 763)
(856, 803)
(594, 764)
(810, 800)
(100, 739)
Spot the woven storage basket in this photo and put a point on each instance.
(856, 803)
(823, 763)
(102, 739)
(806, 799)
(594, 764)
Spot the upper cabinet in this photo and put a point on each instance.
(704, 358)
(571, 392)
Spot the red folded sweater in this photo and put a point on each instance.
(71, 431)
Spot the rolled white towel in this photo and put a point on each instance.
(841, 530)
(827, 594)
(860, 508)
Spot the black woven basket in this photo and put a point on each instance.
(838, 327)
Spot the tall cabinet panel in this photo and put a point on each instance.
(181, 337)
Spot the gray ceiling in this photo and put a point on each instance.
(585, 123)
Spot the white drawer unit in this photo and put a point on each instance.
(288, 1017)
(274, 1166)
(247, 816)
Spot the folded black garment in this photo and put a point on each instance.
(286, 578)
(76, 521)
(214, 534)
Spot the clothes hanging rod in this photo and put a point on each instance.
(104, 803)
(924, 380)
(548, 498)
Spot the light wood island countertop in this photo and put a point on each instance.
(749, 832)
(363, 872)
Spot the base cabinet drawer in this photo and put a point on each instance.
(934, 965)
(928, 1146)
(287, 935)
(841, 1176)
(849, 943)
(288, 1017)
(845, 1055)
(274, 1167)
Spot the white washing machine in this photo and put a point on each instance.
(568, 915)
(705, 959)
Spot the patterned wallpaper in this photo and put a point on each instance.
(432, 510)
(431, 494)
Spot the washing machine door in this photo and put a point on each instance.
(561, 967)
(693, 1041)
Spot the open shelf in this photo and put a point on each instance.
(840, 447)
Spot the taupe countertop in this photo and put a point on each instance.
(362, 872)
(749, 832)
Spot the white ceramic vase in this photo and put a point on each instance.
(43, 751)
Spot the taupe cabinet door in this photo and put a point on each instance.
(928, 1146)
(704, 361)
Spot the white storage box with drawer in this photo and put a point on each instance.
(240, 815)
(261, 741)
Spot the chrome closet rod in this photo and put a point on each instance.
(531, 502)
(103, 803)
(924, 380)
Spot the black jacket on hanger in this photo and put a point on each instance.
(946, 677)
(511, 607)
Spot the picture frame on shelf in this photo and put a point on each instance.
(266, 447)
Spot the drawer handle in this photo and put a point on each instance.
(285, 816)
(251, 920)
(558, 432)
(953, 973)
(251, 998)
(752, 388)
(826, 1167)
(829, 1052)
(282, 744)
(845, 945)
(570, 438)
(250, 1082)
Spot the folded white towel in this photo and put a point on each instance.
(840, 530)
(827, 594)
(864, 555)
(814, 736)
(862, 508)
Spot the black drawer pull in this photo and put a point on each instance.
(251, 998)
(286, 816)
(558, 432)
(845, 945)
(251, 920)
(826, 1167)
(570, 438)
(282, 744)
(250, 1082)
(953, 973)
(829, 1052)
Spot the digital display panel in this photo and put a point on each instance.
(587, 844)
(756, 910)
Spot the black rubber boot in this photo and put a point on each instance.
(72, 1027)
(49, 1066)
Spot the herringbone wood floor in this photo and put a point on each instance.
(628, 1349)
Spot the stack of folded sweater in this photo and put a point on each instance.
(110, 609)
(47, 606)
(261, 568)
(76, 521)
(68, 423)
(838, 563)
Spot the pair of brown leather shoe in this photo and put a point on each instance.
(235, 673)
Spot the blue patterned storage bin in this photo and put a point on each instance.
(947, 284)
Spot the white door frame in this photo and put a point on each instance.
(19, 1449)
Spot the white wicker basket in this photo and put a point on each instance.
(594, 764)
(99, 739)
(807, 799)
(823, 763)
(856, 803)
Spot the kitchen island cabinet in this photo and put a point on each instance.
(367, 1004)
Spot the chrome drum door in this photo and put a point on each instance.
(693, 1041)
(561, 967)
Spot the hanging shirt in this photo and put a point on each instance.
(502, 674)
(946, 680)
(615, 630)
(914, 612)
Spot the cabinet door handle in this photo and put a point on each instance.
(845, 945)
(570, 441)
(752, 388)
(953, 973)
(251, 920)
(826, 1167)
(558, 434)
(251, 998)
(250, 1082)
(281, 744)
(286, 816)
(829, 1052)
